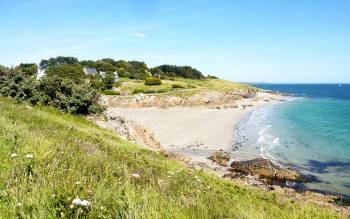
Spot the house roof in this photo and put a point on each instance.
(90, 71)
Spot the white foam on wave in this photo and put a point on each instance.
(260, 132)
(266, 140)
(276, 141)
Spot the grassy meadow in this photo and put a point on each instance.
(179, 86)
(48, 159)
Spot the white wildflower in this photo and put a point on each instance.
(76, 201)
(18, 205)
(29, 156)
(171, 173)
(208, 187)
(136, 175)
(85, 203)
(14, 155)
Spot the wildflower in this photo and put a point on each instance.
(208, 187)
(136, 175)
(76, 201)
(85, 203)
(14, 155)
(29, 156)
(18, 205)
(77, 182)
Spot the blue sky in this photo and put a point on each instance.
(240, 40)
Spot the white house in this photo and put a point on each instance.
(41, 73)
(104, 74)
(157, 75)
(116, 76)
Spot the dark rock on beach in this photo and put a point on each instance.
(265, 169)
(220, 158)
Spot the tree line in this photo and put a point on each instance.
(66, 87)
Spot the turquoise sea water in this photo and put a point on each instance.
(311, 133)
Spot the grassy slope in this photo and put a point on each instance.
(75, 158)
(190, 86)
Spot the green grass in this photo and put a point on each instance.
(110, 92)
(75, 158)
(180, 86)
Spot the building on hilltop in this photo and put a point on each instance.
(116, 77)
(90, 71)
(157, 75)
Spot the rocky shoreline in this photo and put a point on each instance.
(259, 173)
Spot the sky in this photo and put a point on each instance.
(279, 41)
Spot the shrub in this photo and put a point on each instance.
(175, 86)
(74, 72)
(117, 84)
(62, 93)
(180, 71)
(110, 92)
(68, 96)
(138, 90)
(152, 81)
(108, 80)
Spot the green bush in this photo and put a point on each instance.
(138, 90)
(117, 84)
(64, 94)
(152, 81)
(110, 92)
(175, 86)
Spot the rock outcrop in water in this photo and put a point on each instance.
(265, 169)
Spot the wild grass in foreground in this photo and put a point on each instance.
(48, 159)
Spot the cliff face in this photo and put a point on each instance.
(128, 129)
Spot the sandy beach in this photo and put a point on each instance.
(196, 131)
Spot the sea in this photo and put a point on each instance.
(310, 133)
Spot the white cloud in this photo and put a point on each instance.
(139, 35)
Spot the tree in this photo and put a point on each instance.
(88, 63)
(104, 66)
(30, 69)
(60, 60)
(109, 60)
(108, 81)
(74, 72)
(123, 73)
(181, 71)
(4, 69)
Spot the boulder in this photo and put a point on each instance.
(265, 169)
(220, 158)
(185, 159)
